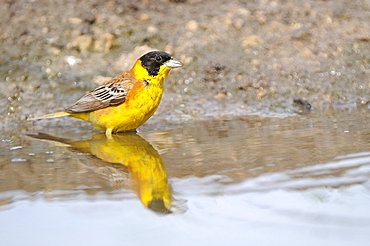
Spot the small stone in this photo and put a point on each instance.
(250, 41)
(75, 20)
(261, 18)
(273, 90)
(47, 96)
(238, 23)
(220, 96)
(261, 94)
(101, 18)
(105, 42)
(301, 33)
(192, 26)
(276, 26)
(44, 30)
(302, 103)
(152, 29)
(255, 63)
(363, 101)
(307, 53)
(186, 59)
(244, 12)
(273, 4)
(328, 20)
(227, 21)
(55, 51)
(115, 22)
(83, 43)
(144, 17)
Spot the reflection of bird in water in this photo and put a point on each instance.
(139, 158)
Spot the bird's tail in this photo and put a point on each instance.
(53, 115)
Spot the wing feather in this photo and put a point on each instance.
(112, 93)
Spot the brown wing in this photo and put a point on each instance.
(112, 93)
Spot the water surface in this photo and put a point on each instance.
(298, 180)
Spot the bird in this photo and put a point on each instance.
(126, 101)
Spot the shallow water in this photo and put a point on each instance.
(298, 180)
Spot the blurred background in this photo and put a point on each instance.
(241, 57)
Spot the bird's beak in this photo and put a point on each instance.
(173, 63)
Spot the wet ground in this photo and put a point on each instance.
(261, 138)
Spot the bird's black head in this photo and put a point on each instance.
(153, 60)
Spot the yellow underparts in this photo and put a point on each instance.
(141, 103)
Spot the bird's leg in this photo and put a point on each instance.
(108, 133)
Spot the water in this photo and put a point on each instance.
(251, 180)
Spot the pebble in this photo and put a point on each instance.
(192, 26)
(82, 42)
(115, 22)
(220, 96)
(250, 41)
(152, 29)
(144, 17)
(55, 51)
(104, 42)
(261, 18)
(75, 20)
(261, 94)
(363, 101)
(238, 23)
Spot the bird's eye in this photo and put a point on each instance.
(158, 58)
